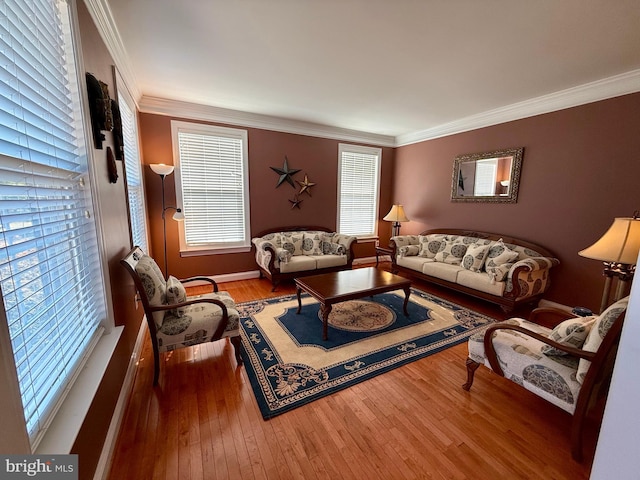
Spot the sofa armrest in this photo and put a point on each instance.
(534, 263)
(529, 276)
(347, 241)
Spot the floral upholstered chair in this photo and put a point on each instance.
(175, 320)
(565, 365)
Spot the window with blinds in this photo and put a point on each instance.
(358, 186)
(133, 171)
(486, 176)
(212, 186)
(50, 270)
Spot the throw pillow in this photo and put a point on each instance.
(474, 257)
(572, 333)
(176, 293)
(452, 253)
(312, 243)
(430, 245)
(409, 251)
(283, 254)
(598, 331)
(499, 261)
(293, 242)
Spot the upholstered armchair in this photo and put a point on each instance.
(175, 320)
(566, 365)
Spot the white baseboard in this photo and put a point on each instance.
(228, 277)
(363, 260)
(104, 463)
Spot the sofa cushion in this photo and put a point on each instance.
(452, 253)
(475, 256)
(480, 281)
(445, 271)
(326, 261)
(292, 241)
(298, 263)
(198, 324)
(598, 331)
(572, 333)
(312, 243)
(414, 263)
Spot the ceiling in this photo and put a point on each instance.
(384, 67)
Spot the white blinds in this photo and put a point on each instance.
(133, 170)
(50, 273)
(213, 177)
(486, 175)
(359, 170)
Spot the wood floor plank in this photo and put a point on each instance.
(414, 422)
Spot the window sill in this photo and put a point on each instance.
(61, 434)
(196, 252)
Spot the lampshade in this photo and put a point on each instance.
(161, 168)
(396, 214)
(620, 244)
(178, 216)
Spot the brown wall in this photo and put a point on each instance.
(580, 170)
(270, 206)
(113, 212)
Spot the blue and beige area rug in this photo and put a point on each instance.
(290, 365)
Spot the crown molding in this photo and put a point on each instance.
(610, 87)
(194, 111)
(103, 18)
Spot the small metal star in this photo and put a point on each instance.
(295, 203)
(306, 186)
(285, 173)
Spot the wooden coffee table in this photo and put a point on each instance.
(336, 287)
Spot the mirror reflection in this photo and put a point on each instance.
(487, 177)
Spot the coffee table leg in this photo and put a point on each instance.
(407, 292)
(298, 292)
(325, 310)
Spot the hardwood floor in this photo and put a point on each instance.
(202, 421)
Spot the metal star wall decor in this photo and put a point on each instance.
(305, 186)
(295, 203)
(285, 173)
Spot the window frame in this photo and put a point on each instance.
(360, 149)
(211, 248)
(124, 97)
(67, 413)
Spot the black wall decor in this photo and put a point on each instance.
(99, 108)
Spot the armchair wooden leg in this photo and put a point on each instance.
(237, 347)
(472, 366)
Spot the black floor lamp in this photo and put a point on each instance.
(164, 170)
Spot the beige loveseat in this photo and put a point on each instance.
(503, 270)
(289, 252)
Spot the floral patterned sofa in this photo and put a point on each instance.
(503, 270)
(289, 252)
(564, 365)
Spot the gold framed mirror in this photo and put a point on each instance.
(491, 177)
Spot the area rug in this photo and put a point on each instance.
(289, 364)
